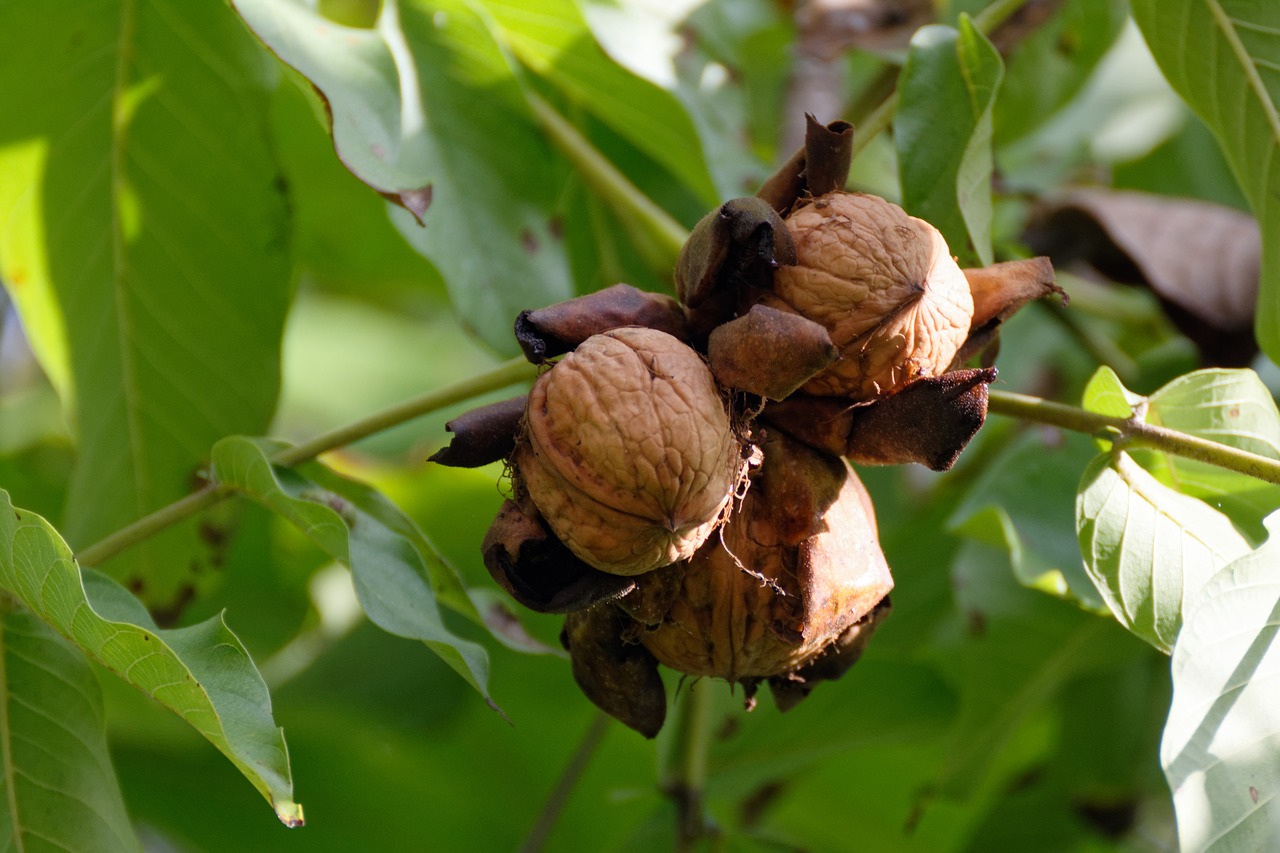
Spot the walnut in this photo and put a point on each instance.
(885, 287)
(629, 452)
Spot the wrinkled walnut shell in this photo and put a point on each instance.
(629, 452)
(884, 285)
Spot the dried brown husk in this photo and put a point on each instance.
(796, 567)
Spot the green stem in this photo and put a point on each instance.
(1133, 432)
(507, 373)
(686, 776)
(663, 235)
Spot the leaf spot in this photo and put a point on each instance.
(1253, 794)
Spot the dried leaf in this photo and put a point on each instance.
(1201, 259)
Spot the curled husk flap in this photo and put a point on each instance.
(629, 451)
(537, 570)
(559, 328)
(884, 285)
(928, 420)
(482, 435)
(820, 166)
(618, 675)
(768, 352)
(832, 663)
(796, 567)
(998, 291)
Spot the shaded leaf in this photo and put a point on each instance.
(402, 98)
(1201, 259)
(1223, 57)
(1221, 747)
(1018, 649)
(942, 130)
(144, 237)
(58, 782)
(1148, 548)
(202, 673)
(1024, 504)
(361, 529)
(1049, 66)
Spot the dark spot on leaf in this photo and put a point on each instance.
(167, 616)
(752, 808)
(1234, 412)
(416, 201)
(977, 623)
(528, 241)
(136, 586)
(212, 535)
(1111, 819)
(1253, 794)
(555, 227)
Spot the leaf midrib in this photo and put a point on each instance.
(1227, 25)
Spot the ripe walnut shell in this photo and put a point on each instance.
(884, 285)
(629, 452)
(798, 565)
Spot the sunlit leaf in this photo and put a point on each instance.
(1148, 548)
(58, 783)
(552, 37)
(350, 522)
(942, 129)
(1106, 395)
(403, 104)
(143, 233)
(1223, 57)
(1221, 748)
(202, 673)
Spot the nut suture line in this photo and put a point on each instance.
(699, 510)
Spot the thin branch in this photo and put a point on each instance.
(508, 373)
(686, 779)
(1133, 432)
(659, 235)
(573, 771)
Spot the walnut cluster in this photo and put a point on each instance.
(681, 478)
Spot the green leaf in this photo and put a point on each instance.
(359, 528)
(1221, 746)
(202, 673)
(1223, 57)
(553, 39)
(1047, 68)
(403, 99)
(1018, 648)
(1147, 548)
(1232, 407)
(1024, 503)
(942, 130)
(58, 782)
(143, 234)
(1106, 395)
